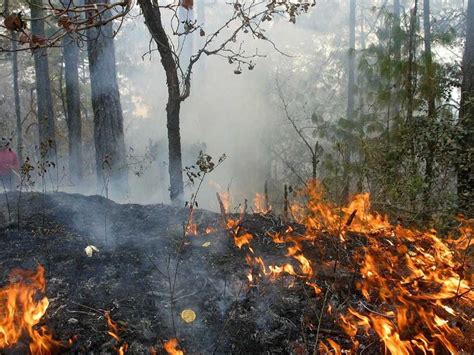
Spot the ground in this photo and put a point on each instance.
(130, 277)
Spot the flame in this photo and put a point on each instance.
(21, 311)
(114, 333)
(172, 347)
(260, 204)
(417, 279)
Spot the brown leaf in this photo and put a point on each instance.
(14, 22)
(187, 4)
(202, 33)
(37, 41)
(24, 39)
(65, 22)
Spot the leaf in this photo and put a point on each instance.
(37, 41)
(14, 22)
(187, 4)
(90, 250)
(202, 33)
(24, 39)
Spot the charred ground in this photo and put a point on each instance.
(130, 277)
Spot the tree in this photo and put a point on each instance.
(247, 17)
(466, 121)
(111, 165)
(16, 89)
(351, 62)
(73, 103)
(43, 86)
(430, 98)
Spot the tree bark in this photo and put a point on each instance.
(110, 152)
(43, 86)
(350, 94)
(430, 98)
(466, 122)
(153, 21)
(351, 62)
(73, 104)
(16, 89)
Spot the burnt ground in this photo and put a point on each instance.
(130, 278)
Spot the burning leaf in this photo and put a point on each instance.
(90, 250)
(188, 315)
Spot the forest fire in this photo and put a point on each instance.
(21, 311)
(412, 289)
(414, 280)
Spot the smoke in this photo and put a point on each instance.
(226, 113)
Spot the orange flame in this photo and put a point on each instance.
(413, 276)
(21, 311)
(114, 333)
(172, 347)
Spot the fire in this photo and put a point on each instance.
(417, 281)
(260, 204)
(114, 333)
(172, 347)
(21, 311)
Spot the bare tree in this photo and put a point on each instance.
(247, 17)
(111, 165)
(43, 86)
(16, 89)
(73, 103)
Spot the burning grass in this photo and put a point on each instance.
(333, 280)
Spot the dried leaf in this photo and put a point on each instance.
(90, 250)
(14, 22)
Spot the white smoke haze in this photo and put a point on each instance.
(226, 113)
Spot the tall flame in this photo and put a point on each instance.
(21, 311)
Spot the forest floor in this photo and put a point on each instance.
(130, 277)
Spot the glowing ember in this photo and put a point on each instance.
(21, 311)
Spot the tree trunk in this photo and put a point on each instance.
(350, 94)
(466, 122)
(397, 57)
(110, 152)
(351, 62)
(43, 86)
(152, 15)
(410, 85)
(16, 90)
(73, 103)
(430, 98)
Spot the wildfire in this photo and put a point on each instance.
(21, 311)
(416, 280)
